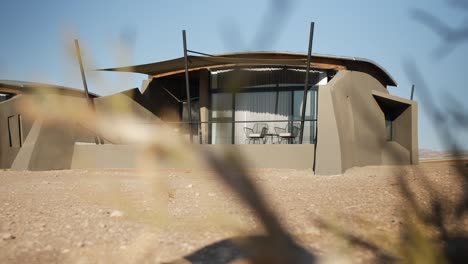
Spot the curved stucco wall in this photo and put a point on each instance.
(328, 152)
(12, 135)
(351, 126)
(360, 122)
(50, 145)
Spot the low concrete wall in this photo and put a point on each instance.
(88, 155)
(256, 156)
(281, 156)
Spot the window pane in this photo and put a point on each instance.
(221, 133)
(258, 107)
(284, 107)
(309, 126)
(221, 104)
(388, 128)
(221, 116)
(195, 105)
(298, 100)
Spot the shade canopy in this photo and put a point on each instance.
(176, 66)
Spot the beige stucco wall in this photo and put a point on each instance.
(128, 103)
(395, 154)
(405, 126)
(282, 156)
(347, 106)
(255, 156)
(361, 125)
(328, 156)
(407, 121)
(9, 108)
(87, 156)
(400, 126)
(49, 145)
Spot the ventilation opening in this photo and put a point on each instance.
(392, 110)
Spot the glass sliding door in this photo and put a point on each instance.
(271, 108)
(246, 98)
(254, 108)
(279, 110)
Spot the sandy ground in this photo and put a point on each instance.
(115, 216)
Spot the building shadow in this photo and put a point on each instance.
(255, 249)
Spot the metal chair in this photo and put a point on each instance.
(256, 133)
(289, 133)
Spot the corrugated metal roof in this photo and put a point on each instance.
(261, 58)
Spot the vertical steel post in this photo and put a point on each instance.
(97, 139)
(306, 85)
(187, 86)
(412, 92)
(83, 76)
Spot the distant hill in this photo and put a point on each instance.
(430, 154)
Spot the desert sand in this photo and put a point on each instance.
(116, 216)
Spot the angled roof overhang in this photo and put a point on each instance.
(21, 87)
(175, 66)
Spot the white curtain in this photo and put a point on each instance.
(261, 107)
(221, 131)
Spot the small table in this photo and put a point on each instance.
(270, 135)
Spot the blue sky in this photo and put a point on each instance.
(37, 36)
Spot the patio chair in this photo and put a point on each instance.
(289, 133)
(256, 133)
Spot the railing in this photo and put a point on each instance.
(238, 131)
(234, 131)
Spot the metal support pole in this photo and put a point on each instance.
(97, 140)
(306, 85)
(187, 86)
(83, 76)
(412, 92)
